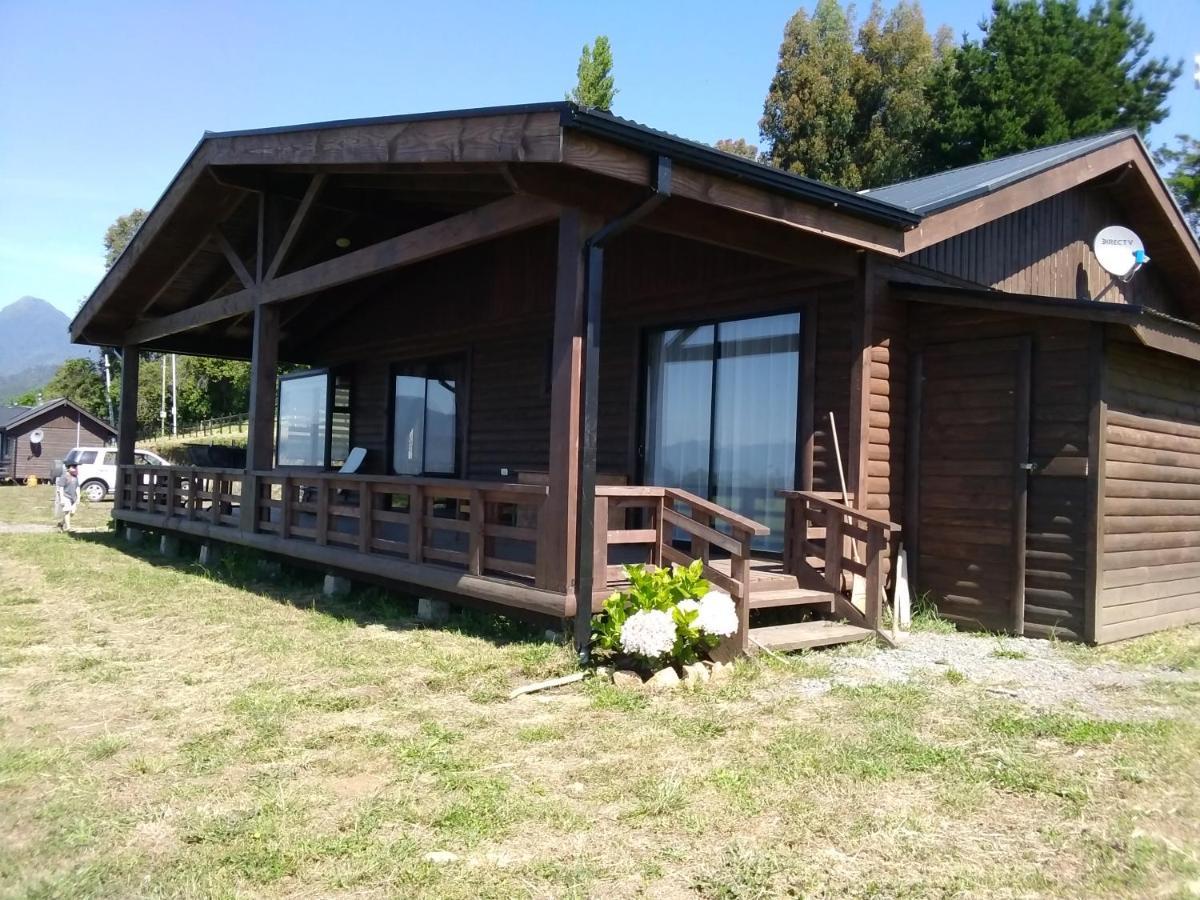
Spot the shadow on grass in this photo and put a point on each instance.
(300, 587)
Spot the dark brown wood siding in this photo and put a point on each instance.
(1056, 531)
(1150, 561)
(1046, 249)
(59, 436)
(888, 417)
(492, 306)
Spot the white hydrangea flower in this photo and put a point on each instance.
(688, 605)
(718, 615)
(649, 633)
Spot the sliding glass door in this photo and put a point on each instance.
(721, 404)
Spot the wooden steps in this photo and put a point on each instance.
(806, 635)
(775, 597)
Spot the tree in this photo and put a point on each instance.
(1184, 176)
(80, 381)
(851, 110)
(120, 233)
(1044, 72)
(809, 115)
(892, 68)
(737, 147)
(594, 86)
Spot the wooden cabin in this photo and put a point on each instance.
(33, 439)
(567, 341)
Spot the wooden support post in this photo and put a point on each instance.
(876, 543)
(476, 536)
(127, 424)
(366, 522)
(260, 427)
(323, 511)
(1093, 620)
(192, 501)
(416, 523)
(833, 550)
(558, 522)
(600, 546)
(868, 287)
(288, 495)
(739, 570)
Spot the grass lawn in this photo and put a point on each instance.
(166, 731)
(24, 505)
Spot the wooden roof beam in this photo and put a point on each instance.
(482, 224)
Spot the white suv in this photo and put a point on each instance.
(98, 468)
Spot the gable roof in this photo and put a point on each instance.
(933, 193)
(8, 413)
(31, 413)
(176, 250)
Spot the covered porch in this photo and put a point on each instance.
(554, 367)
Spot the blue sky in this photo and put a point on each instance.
(100, 104)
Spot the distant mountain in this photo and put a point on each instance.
(33, 342)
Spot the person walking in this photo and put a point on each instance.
(66, 496)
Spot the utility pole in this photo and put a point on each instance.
(112, 419)
(162, 412)
(174, 400)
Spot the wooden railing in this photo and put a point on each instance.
(211, 495)
(821, 532)
(646, 518)
(481, 527)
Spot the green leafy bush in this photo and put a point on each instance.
(666, 616)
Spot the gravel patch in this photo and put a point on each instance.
(1035, 673)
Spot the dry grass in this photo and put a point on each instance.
(170, 732)
(24, 505)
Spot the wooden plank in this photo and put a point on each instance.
(322, 529)
(807, 635)
(366, 519)
(235, 261)
(456, 583)
(416, 527)
(558, 520)
(293, 230)
(475, 552)
(705, 533)
(1022, 400)
(455, 233)
(127, 423)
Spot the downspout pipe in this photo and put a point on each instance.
(593, 292)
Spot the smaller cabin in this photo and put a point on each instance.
(36, 437)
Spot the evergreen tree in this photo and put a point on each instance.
(809, 115)
(594, 86)
(80, 381)
(1044, 72)
(120, 233)
(737, 147)
(851, 110)
(1184, 176)
(893, 65)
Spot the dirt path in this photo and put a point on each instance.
(1040, 674)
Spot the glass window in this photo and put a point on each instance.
(110, 458)
(81, 457)
(140, 459)
(302, 420)
(425, 420)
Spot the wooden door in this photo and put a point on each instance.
(971, 465)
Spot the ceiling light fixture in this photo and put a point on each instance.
(342, 243)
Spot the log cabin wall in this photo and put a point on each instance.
(1046, 249)
(1056, 536)
(1149, 571)
(493, 306)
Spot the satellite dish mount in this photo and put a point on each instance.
(1119, 251)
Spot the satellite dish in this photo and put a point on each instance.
(1119, 251)
(35, 436)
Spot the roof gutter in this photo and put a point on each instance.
(727, 165)
(593, 292)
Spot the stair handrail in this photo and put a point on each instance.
(844, 526)
(700, 524)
